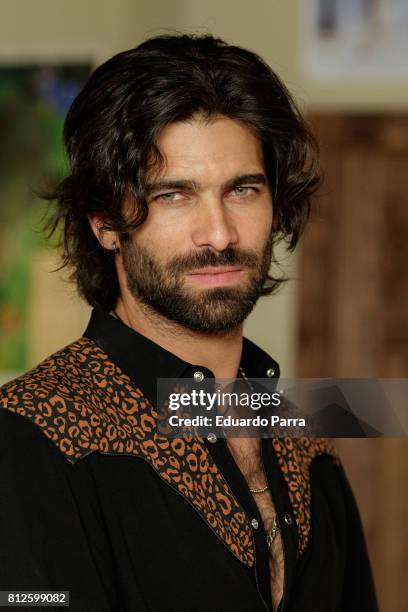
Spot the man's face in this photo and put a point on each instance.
(203, 253)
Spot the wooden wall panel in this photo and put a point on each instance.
(354, 312)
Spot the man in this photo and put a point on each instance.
(188, 162)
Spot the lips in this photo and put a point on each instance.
(216, 277)
(217, 270)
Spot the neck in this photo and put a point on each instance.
(219, 352)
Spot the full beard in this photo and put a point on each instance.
(212, 310)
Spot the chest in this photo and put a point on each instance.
(247, 455)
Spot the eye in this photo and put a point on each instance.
(243, 191)
(167, 197)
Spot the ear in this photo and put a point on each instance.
(107, 238)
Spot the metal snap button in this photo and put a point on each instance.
(198, 376)
(212, 437)
(254, 523)
(270, 372)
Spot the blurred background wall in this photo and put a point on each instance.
(344, 312)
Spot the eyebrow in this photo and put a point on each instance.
(191, 185)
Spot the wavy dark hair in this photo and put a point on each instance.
(111, 133)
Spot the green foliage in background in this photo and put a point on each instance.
(33, 104)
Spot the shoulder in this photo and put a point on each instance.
(296, 456)
(53, 396)
(81, 400)
(61, 375)
(74, 363)
(303, 451)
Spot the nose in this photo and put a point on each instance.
(213, 225)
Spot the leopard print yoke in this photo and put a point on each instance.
(295, 456)
(84, 403)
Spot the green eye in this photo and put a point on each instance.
(165, 196)
(239, 191)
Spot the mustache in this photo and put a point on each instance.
(207, 257)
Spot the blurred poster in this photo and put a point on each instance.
(34, 100)
(362, 40)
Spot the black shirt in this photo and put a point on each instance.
(93, 502)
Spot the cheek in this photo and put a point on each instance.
(162, 240)
(256, 228)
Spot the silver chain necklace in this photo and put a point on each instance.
(260, 490)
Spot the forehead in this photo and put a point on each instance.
(212, 149)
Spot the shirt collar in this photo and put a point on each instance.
(144, 361)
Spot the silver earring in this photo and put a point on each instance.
(114, 247)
